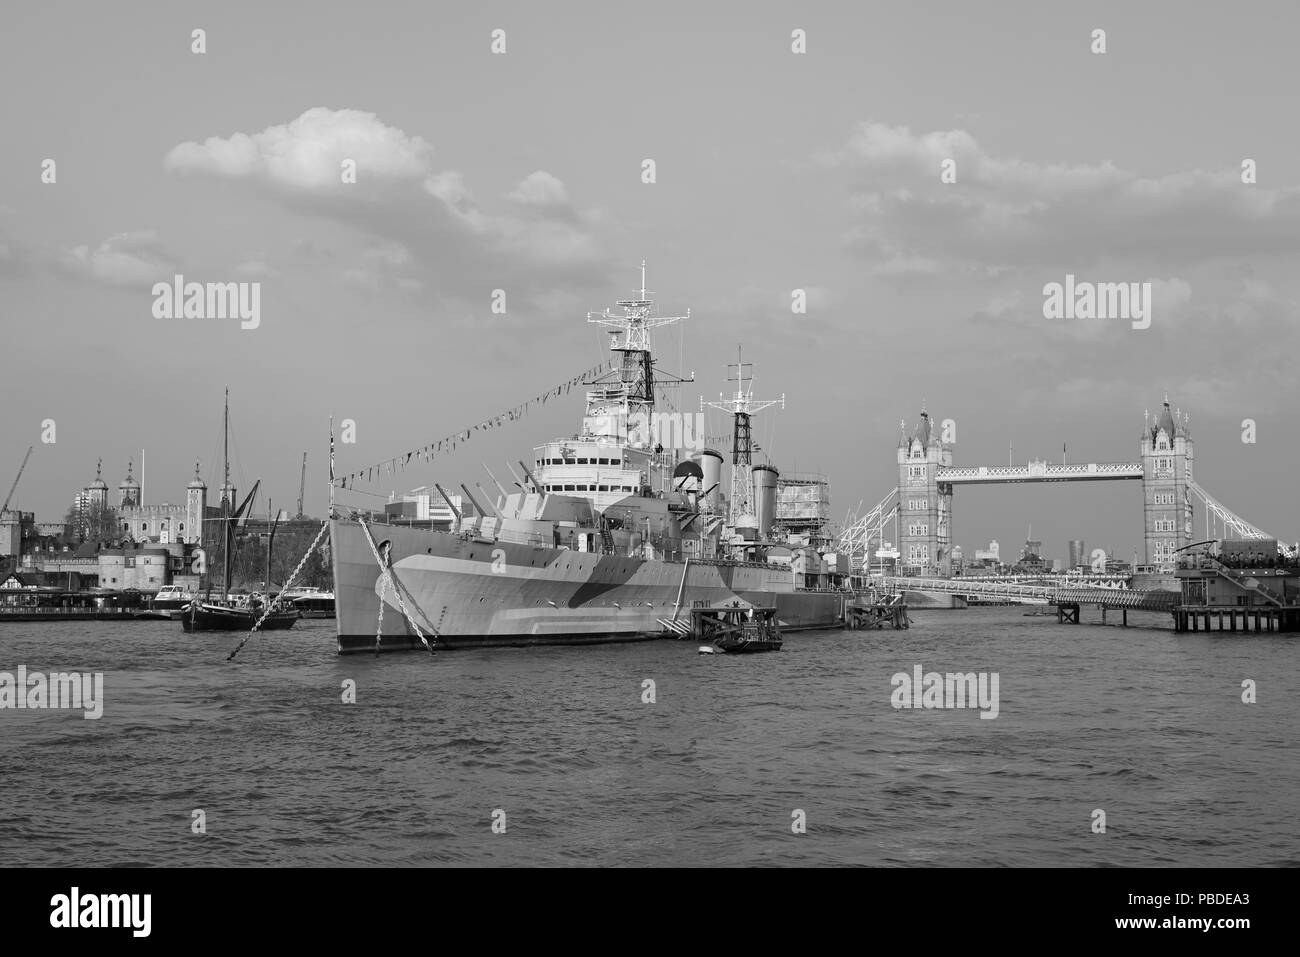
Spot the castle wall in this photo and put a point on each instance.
(149, 521)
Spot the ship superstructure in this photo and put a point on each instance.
(620, 451)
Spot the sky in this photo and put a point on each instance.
(775, 171)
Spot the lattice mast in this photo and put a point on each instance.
(741, 406)
(629, 388)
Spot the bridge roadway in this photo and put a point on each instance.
(1070, 591)
(1038, 472)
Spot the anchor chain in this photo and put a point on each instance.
(383, 590)
(389, 578)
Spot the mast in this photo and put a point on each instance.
(205, 579)
(628, 389)
(270, 542)
(226, 502)
(225, 443)
(741, 406)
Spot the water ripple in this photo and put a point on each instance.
(557, 745)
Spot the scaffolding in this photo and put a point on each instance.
(803, 506)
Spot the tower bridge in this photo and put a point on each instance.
(922, 502)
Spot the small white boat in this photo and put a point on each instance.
(708, 650)
(171, 598)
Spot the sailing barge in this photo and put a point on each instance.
(229, 613)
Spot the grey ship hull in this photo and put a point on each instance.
(474, 593)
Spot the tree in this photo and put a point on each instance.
(95, 522)
(290, 544)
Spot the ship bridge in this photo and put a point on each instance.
(618, 452)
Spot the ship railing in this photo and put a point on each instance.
(526, 538)
(734, 564)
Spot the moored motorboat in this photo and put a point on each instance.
(310, 602)
(737, 629)
(171, 598)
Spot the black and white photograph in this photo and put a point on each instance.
(665, 435)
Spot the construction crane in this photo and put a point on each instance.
(16, 478)
(302, 484)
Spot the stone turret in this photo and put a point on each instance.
(924, 503)
(128, 491)
(1167, 456)
(196, 503)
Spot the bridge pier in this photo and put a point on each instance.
(879, 615)
(1254, 620)
(1067, 613)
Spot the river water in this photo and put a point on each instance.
(559, 746)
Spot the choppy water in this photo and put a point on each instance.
(1142, 723)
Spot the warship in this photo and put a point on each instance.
(615, 534)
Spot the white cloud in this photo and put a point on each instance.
(383, 266)
(308, 153)
(1007, 213)
(540, 189)
(126, 259)
(539, 240)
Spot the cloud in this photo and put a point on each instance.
(1098, 358)
(540, 189)
(1169, 302)
(537, 241)
(126, 259)
(307, 153)
(1007, 306)
(383, 266)
(13, 259)
(1170, 298)
(1004, 214)
(255, 269)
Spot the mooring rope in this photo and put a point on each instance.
(390, 578)
(270, 605)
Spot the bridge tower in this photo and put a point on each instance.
(924, 503)
(1166, 475)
